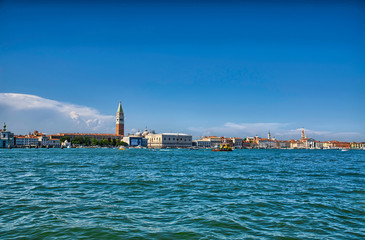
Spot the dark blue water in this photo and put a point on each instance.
(181, 194)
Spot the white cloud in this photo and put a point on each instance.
(24, 112)
(239, 129)
(74, 115)
(278, 130)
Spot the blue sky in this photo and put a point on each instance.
(232, 69)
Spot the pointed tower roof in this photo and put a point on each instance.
(120, 109)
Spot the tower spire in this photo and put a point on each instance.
(120, 108)
(120, 120)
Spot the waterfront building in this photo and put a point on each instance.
(300, 145)
(237, 142)
(357, 145)
(282, 144)
(213, 140)
(327, 145)
(26, 141)
(137, 139)
(120, 120)
(265, 143)
(227, 141)
(169, 140)
(54, 143)
(134, 141)
(200, 143)
(35, 139)
(338, 144)
(309, 143)
(319, 145)
(6, 138)
(293, 143)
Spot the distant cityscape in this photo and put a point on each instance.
(151, 139)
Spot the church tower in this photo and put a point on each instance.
(120, 120)
(303, 135)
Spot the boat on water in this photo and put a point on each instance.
(222, 148)
(122, 148)
(344, 149)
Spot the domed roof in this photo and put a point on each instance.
(138, 133)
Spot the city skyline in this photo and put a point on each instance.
(83, 119)
(226, 69)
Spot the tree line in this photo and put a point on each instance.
(85, 141)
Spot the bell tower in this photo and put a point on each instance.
(120, 120)
(303, 135)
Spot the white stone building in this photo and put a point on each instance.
(169, 140)
(309, 143)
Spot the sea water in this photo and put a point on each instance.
(181, 194)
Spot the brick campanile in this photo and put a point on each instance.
(120, 120)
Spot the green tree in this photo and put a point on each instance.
(105, 142)
(62, 139)
(87, 141)
(121, 143)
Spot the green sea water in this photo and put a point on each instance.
(181, 194)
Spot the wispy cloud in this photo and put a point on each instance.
(239, 129)
(28, 112)
(278, 130)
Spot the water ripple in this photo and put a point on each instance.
(181, 194)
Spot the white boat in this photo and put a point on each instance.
(344, 149)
